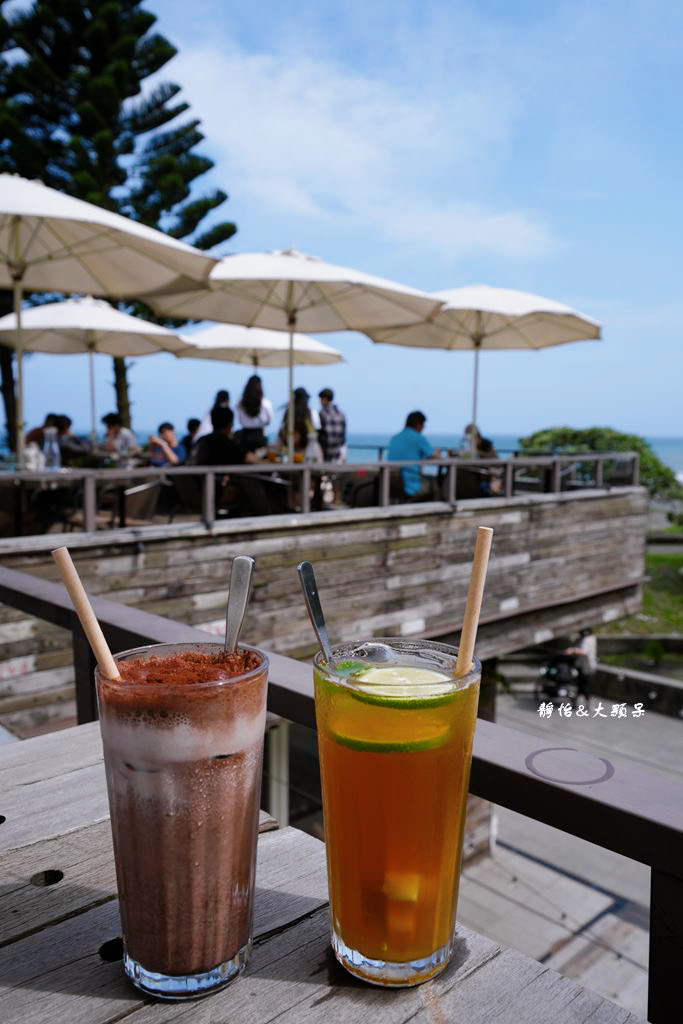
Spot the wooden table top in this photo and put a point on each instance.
(60, 955)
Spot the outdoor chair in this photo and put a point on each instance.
(254, 495)
(619, 473)
(140, 503)
(137, 506)
(361, 490)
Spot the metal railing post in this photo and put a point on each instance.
(209, 499)
(84, 671)
(305, 494)
(89, 504)
(452, 477)
(384, 485)
(599, 472)
(666, 942)
(636, 471)
(556, 476)
(278, 772)
(509, 478)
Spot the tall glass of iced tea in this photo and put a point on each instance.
(395, 730)
(183, 740)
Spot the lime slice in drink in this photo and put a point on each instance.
(359, 735)
(403, 686)
(385, 727)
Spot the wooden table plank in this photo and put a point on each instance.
(85, 859)
(55, 939)
(41, 974)
(294, 978)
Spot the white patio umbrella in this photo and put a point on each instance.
(50, 241)
(481, 317)
(289, 291)
(257, 347)
(87, 325)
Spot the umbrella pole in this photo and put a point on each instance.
(475, 385)
(475, 388)
(20, 375)
(93, 403)
(291, 320)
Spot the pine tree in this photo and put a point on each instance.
(73, 114)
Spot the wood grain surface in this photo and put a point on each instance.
(60, 958)
(401, 571)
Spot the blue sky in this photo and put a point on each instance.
(534, 145)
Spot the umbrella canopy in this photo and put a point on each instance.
(479, 316)
(255, 346)
(87, 325)
(50, 241)
(289, 291)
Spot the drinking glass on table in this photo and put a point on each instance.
(182, 731)
(395, 732)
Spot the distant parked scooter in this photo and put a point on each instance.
(558, 680)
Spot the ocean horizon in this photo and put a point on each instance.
(363, 446)
(668, 449)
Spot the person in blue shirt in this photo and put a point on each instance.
(164, 449)
(410, 444)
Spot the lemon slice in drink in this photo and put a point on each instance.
(403, 686)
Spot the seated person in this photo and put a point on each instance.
(220, 448)
(164, 449)
(476, 445)
(71, 447)
(478, 482)
(119, 440)
(190, 439)
(243, 493)
(410, 444)
(37, 435)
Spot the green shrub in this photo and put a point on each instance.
(659, 479)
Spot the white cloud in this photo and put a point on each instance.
(318, 140)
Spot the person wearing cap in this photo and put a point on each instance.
(332, 427)
(410, 444)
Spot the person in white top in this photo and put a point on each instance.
(255, 414)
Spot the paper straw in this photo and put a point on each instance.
(475, 594)
(91, 626)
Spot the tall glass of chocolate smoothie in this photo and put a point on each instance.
(182, 731)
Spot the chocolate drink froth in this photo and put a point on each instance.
(183, 738)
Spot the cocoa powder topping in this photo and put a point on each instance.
(187, 668)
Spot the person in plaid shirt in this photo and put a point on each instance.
(332, 434)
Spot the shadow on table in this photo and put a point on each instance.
(304, 954)
(275, 909)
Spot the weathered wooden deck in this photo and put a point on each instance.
(560, 561)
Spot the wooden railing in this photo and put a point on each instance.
(549, 474)
(621, 807)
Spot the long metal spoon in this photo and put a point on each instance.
(315, 612)
(238, 599)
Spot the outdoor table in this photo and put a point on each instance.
(60, 931)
